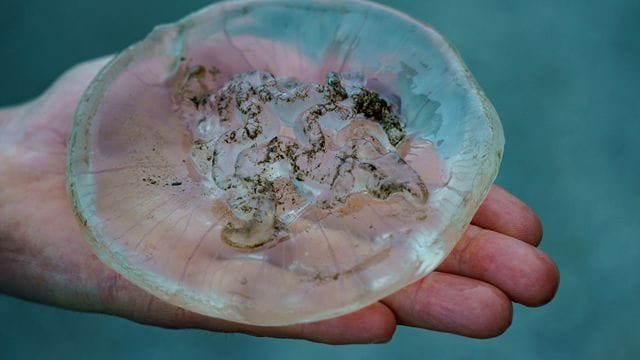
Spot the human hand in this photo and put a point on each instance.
(44, 258)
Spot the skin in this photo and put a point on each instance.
(43, 257)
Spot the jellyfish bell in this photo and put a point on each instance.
(247, 165)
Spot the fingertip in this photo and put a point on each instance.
(493, 315)
(544, 283)
(381, 324)
(375, 323)
(488, 315)
(378, 323)
(504, 213)
(527, 226)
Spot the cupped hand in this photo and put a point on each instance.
(44, 258)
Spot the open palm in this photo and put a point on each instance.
(44, 258)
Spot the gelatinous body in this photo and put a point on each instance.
(244, 165)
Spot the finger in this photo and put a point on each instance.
(504, 213)
(372, 324)
(452, 303)
(524, 273)
(375, 323)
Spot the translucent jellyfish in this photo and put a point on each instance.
(250, 164)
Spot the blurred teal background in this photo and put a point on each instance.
(565, 79)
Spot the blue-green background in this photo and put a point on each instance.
(564, 77)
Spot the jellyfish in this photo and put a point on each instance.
(247, 165)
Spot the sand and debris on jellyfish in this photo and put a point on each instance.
(276, 146)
